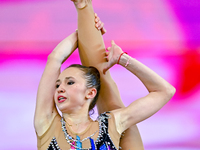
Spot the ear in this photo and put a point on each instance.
(91, 93)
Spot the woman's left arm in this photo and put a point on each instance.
(160, 91)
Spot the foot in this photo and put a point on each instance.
(80, 3)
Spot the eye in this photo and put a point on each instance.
(70, 82)
(57, 85)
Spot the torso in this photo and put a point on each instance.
(97, 136)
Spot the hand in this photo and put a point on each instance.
(112, 55)
(99, 25)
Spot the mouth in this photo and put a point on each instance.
(61, 99)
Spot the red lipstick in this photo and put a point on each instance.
(61, 98)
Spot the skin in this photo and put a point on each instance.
(72, 85)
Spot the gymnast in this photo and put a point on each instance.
(75, 92)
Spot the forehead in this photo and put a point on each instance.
(71, 72)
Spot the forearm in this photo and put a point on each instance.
(152, 81)
(160, 92)
(64, 49)
(48, 79)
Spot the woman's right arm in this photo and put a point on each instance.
(160, 91)
(45, 106)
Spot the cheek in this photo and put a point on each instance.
(78, 90)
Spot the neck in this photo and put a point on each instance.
(77, 122)
(77, 115)
(76, 118)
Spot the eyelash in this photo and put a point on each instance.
(70, 82)
(57, 85)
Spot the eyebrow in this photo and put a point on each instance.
(66, 78)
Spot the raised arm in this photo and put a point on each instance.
(45, 107)
(160, 91)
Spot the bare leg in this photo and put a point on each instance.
(92, 53)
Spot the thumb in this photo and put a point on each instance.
(112, 42)
(105, 69)
(103, 30)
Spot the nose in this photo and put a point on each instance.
(60, 89)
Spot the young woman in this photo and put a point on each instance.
(75, 91)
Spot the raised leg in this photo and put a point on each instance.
(92, 53)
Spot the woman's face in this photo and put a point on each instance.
(71, 91)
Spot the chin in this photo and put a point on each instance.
(64, 109)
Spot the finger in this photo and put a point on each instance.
(98, 24)
(106, 58)
(101, 24)
(108, 48)
(97, 19)
(103, 30)
(106, 53)
(112, 42)
(95, 14)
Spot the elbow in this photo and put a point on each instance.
(53, 57)
(170, 91)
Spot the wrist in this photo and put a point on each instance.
(124, 60)
(120, 56)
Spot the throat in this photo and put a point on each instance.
(79, 127)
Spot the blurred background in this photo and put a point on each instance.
(162, 34)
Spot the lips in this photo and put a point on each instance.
(61, 99)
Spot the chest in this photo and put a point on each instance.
(96, 137)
